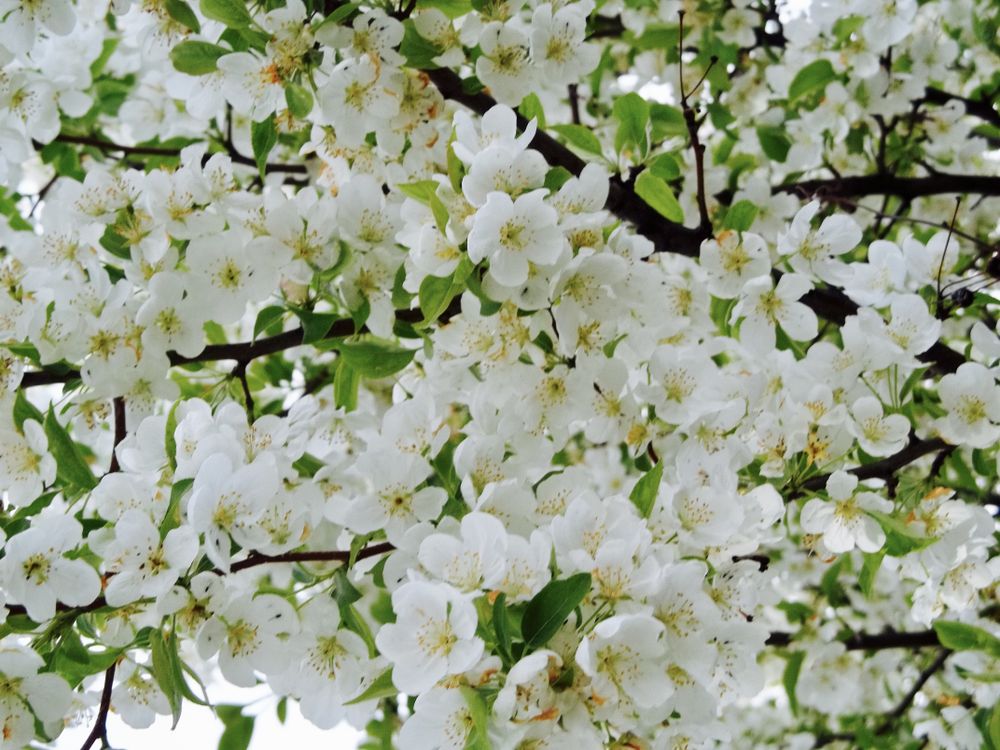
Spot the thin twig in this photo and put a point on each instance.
(100, 730)
(120, 432)
(240, 371)
(574, 103)
(901, 708)
(693, 124)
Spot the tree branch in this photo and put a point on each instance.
(252, 560)
(100, 730)
(871, 641)
(907, 700)
(257, 558)
(976, 107)
(882, 469)
(120, 432)
(665, 235)
(237, 157)
(889, 184)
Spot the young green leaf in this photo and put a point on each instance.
(70, 464)
(263, 137)
(900, 539)
(233, 13)
(550, 607)
(632, 114)
(375, 358)
(774, 142)
(299, 100)
(643, 495)
(381, 687)
(196, 58)
(790, 677)
(181, 12)
(740, 216)
(658, 194)
(813, 77)
(238, 728)
(581, 137)
(961, 637)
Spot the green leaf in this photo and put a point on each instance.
(556, 177)
(346, 595)
(550, 607)
(172, 518)
(665, 167)
(25, 410)
(233, 13)
(632, 113)
(478, 738)
(456, 170)
(382, 687)
(740, 216)
(340, 14)
(667, 122)
(531, 109)
(830, 584)
(263, 137)
(181, 12)
(502, 627)
(425, 191)
(581, 137)
(282, 709)
(315, 325)
(790, 677)
(346, 381)
(961, 637)
(70, 464)
(993, 727)
(451, 8)
(796, 612)
(900, 539)
(658, 194)
(437, 292)
(419, 52)
(870, 568)
(643, 495)
(266, 318)
(164, 652)
(239, 728)
(774, 142)
(299, 100)
(814, 76)
(375, 358)
(169, 441)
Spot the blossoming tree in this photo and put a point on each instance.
(502, 374)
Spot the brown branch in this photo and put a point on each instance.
(244, 351)
(883, 469)
(240, 372)
(889, 184)
(104, 145)
(665, 235)
(693, 124)
(120, 432)
(573, 92)
(976, 107)
(870, 641)
(257, 558)
(250, 561)
(100, 730)
(901, 708)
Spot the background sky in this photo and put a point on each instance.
(199, 729)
